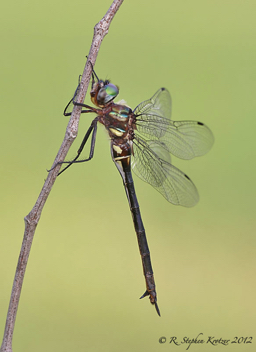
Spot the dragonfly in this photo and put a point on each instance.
(141, 140)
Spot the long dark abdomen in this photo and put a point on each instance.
(123, 164)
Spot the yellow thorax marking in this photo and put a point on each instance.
(116, 132)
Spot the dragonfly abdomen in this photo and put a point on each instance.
(121, 155)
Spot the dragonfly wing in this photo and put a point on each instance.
(172, 183)
(153, 115)
(188, 139)
(184, 139)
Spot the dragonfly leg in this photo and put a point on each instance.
(65, 113)
(92, 129)
(91, 109)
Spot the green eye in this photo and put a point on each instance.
(107, 93)
(111, 90)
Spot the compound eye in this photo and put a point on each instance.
(107, 93)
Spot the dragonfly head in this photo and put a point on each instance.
(103, 92)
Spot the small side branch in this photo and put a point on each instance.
(32, 219)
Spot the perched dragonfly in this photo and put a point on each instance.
(142, 140)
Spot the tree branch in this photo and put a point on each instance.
(32, 219)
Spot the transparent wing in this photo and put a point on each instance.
(184, 139)
(151, 163)
(154, 112)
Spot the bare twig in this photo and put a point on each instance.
(31, 220)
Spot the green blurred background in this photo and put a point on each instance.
(84, 277)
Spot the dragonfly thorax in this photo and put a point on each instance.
(118, 120)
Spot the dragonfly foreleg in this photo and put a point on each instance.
(91, 109)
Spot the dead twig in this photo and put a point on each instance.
(31, 220)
